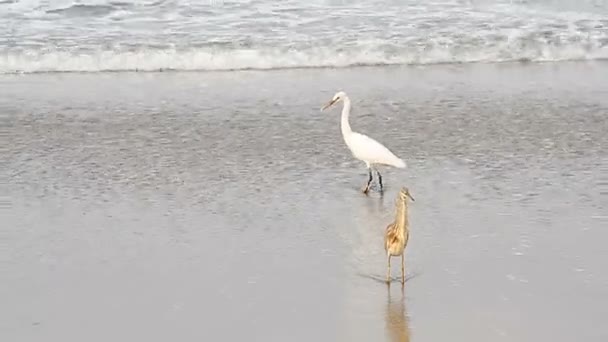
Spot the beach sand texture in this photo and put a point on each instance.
(222, 206)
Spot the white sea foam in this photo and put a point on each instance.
(155, 60)
(104, 35)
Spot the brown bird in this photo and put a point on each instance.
(398, 233)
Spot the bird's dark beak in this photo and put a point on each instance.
(329, 104)
(410, 196)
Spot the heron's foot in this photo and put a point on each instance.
(365, 190)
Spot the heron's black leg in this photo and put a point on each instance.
(369, 181)
(380, 180)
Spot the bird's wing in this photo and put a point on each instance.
(389, 235)
(368, 149)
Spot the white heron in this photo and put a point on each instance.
(364, 148)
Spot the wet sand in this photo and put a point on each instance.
(225, 206)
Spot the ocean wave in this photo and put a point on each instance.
(82, 10)
(152, 35)
(243, 59)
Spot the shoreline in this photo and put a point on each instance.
(305, 68)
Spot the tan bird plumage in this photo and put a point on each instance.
(398, 233)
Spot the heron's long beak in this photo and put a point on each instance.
(329, 104)
(410, 196)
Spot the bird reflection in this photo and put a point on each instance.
(396, 319)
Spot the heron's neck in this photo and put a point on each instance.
(345, 125)
(401, 219)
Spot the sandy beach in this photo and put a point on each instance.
(221, 206)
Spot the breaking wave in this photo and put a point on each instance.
(242, 59)
(151, 35)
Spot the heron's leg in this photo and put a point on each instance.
(388, 269)
(380, 180)
(369, 181)
(402, 269)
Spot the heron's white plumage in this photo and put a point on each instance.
(370, 151)
(364, 148)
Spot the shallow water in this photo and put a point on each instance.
(223, 206)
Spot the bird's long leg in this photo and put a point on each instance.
(402, 269)
(388, 269)
(369, 181)
(380, 180)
